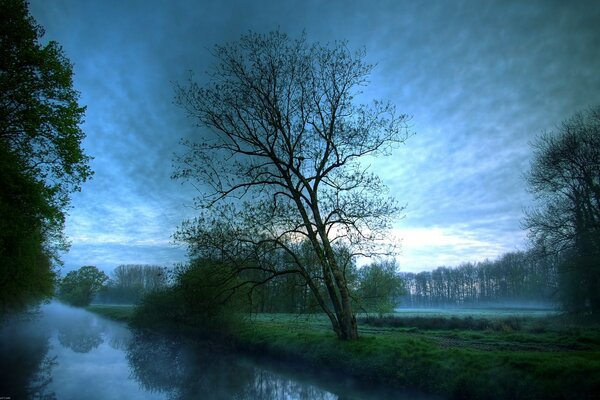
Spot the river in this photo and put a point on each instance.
(60, 352)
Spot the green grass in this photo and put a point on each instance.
(546, 357)
(453, 363)
(116, 312)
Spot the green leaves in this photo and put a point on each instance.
(78, 287)
(40, 145)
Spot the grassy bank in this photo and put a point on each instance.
(121, 313)
(519, 361)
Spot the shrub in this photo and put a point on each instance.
(203, 297)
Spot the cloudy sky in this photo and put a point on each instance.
(481, 79)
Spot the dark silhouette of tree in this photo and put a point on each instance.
(280, 163)
(565, 180)
(42, 161)
(79, 287)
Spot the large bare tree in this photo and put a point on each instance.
(280, 164)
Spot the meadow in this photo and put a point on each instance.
(456, 354)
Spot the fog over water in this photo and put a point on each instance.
(59, 352)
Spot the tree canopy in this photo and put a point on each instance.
(78, 287)
(380, 286)
(565, 180)
(42, 159)
(280, 164)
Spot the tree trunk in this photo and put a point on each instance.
(348, 328)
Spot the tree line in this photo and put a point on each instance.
(128, 284)
(516, 278)
(41, 158)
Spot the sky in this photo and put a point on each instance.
(480, 79)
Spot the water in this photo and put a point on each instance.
(61, 352)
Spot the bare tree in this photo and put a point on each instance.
(280, 164)
(565, 180)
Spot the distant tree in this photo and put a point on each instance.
(41, 158)
(281, 163)
(380, 285)
(513, 278)
(565, 180)
(79, 287)
(131, 281)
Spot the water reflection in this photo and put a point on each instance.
(66, 353)
(184, 370)
(25, 365)
(81, 337)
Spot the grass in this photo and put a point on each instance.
(116, 312)
(541, 357)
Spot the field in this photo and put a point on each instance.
(118, 312)
(488, 354)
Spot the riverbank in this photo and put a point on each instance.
(544, 359)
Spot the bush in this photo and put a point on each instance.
(203, 297)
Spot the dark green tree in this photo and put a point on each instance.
(41, 159)
(79, 287)
(565, 180)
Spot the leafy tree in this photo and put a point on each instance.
(42, 161)
(130, 282)
(202, 296)
(79, 287)
(27, 273)
(282, 163)
(565, 180)
(379, 286)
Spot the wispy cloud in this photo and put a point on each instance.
(481, 79)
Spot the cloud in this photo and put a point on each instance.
(426, 248)
(481, 80)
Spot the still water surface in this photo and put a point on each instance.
(61, 352)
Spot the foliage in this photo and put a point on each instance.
(379, 287)
(42, 161)
(565, 180)
(27, 272)
(203, 297)
(78, 288)
(286, 134)
(129, 283)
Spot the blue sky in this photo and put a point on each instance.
(481, 79)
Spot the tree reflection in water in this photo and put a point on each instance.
(25, 367)
(184, 370)
(81, 337)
